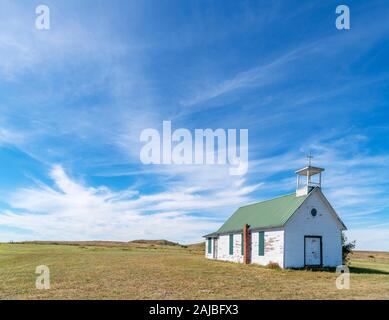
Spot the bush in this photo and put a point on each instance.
(273, 265)
(347, 249)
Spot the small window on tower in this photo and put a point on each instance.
(313, 212)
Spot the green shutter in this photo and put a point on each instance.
(242, 246)
(261, 243)
(209, 245)
(231, 244)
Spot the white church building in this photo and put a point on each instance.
(297, 230)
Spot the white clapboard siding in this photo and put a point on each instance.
(274, 247)
(223, 252)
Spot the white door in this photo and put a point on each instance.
(313, 251)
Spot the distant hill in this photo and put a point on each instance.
(197, 246)
(78, 243)
(161, 242)
(140, 242)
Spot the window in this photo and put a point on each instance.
(231, 244)
(313, 212)
(242, 246)
(261, 243)
(209, 245)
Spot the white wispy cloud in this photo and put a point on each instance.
(71, 210)
(255, 77)
(9, 137)
(74, 60)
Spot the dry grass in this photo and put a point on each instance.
(156, 271)
(371, 255)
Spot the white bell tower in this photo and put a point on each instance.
(306, 184)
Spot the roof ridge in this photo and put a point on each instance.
(278, 197)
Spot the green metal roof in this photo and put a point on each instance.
(266, 214)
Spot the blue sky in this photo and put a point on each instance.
(74, 99)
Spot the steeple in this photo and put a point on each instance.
(305, 185)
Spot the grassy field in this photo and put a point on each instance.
(166, 271)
